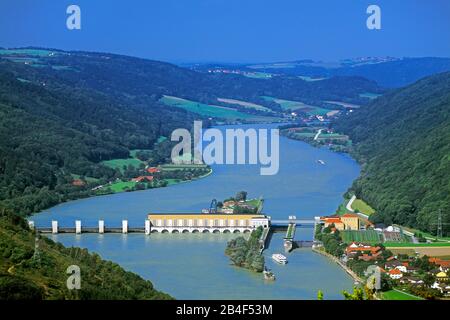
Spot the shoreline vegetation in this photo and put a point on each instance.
(247, 253)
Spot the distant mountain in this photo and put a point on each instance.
(397, 73)
(386, 71)
(403, 141)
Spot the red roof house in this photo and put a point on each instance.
(143, 179)
(153, 170)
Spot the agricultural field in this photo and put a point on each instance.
(28, 52)
(360, 206)
(258, 75)
(310, 79)
(206, 109)
(409, 252)
(417, 245)
(365, 236)
(244, 104)
(344, 104)
(120, 163)
(290, 105)
(369, 95)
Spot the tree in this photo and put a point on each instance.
(241, 196)
(358, 294)
(319, 295)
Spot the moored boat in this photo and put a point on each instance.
(268, 275)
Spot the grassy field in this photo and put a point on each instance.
(409, 252)
(258, 75)
(367, 236)
(244, 104)
(362, 207)
(297, 105)
(309, 79)
(122, 186)
(369, 95)
(416, 245)
(205, 109)
(344, 104)
(119, 163)
(29, 52)
(398, 295)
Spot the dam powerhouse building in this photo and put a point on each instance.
(206, 222)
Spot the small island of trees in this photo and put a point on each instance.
(246, 253)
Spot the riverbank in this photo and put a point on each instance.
(355, 277)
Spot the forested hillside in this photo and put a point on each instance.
(35, 268)
(403, 141)
(62, 113)
(51, 131)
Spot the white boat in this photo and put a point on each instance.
(279, 258)
(321, 162)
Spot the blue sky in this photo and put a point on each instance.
(232, 30)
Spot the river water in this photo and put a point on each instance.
(193, 266)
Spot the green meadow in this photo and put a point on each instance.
(362, 207)
(398, 295)
(120, 163)
(244, 104)
(204, 109)
(28, 52)
(369, 95)
(289, 105)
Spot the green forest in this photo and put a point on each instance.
(402, 140)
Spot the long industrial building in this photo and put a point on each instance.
(206, 222)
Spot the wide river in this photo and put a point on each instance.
(193, 266)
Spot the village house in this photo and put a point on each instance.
(348, 221)
(392, 264)
(78, 183)
(143, 179)
(444, 265)
(395, 274)
(411, 280)
(153, 170)
(443, 288)
(367, 252)
(442, 276)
